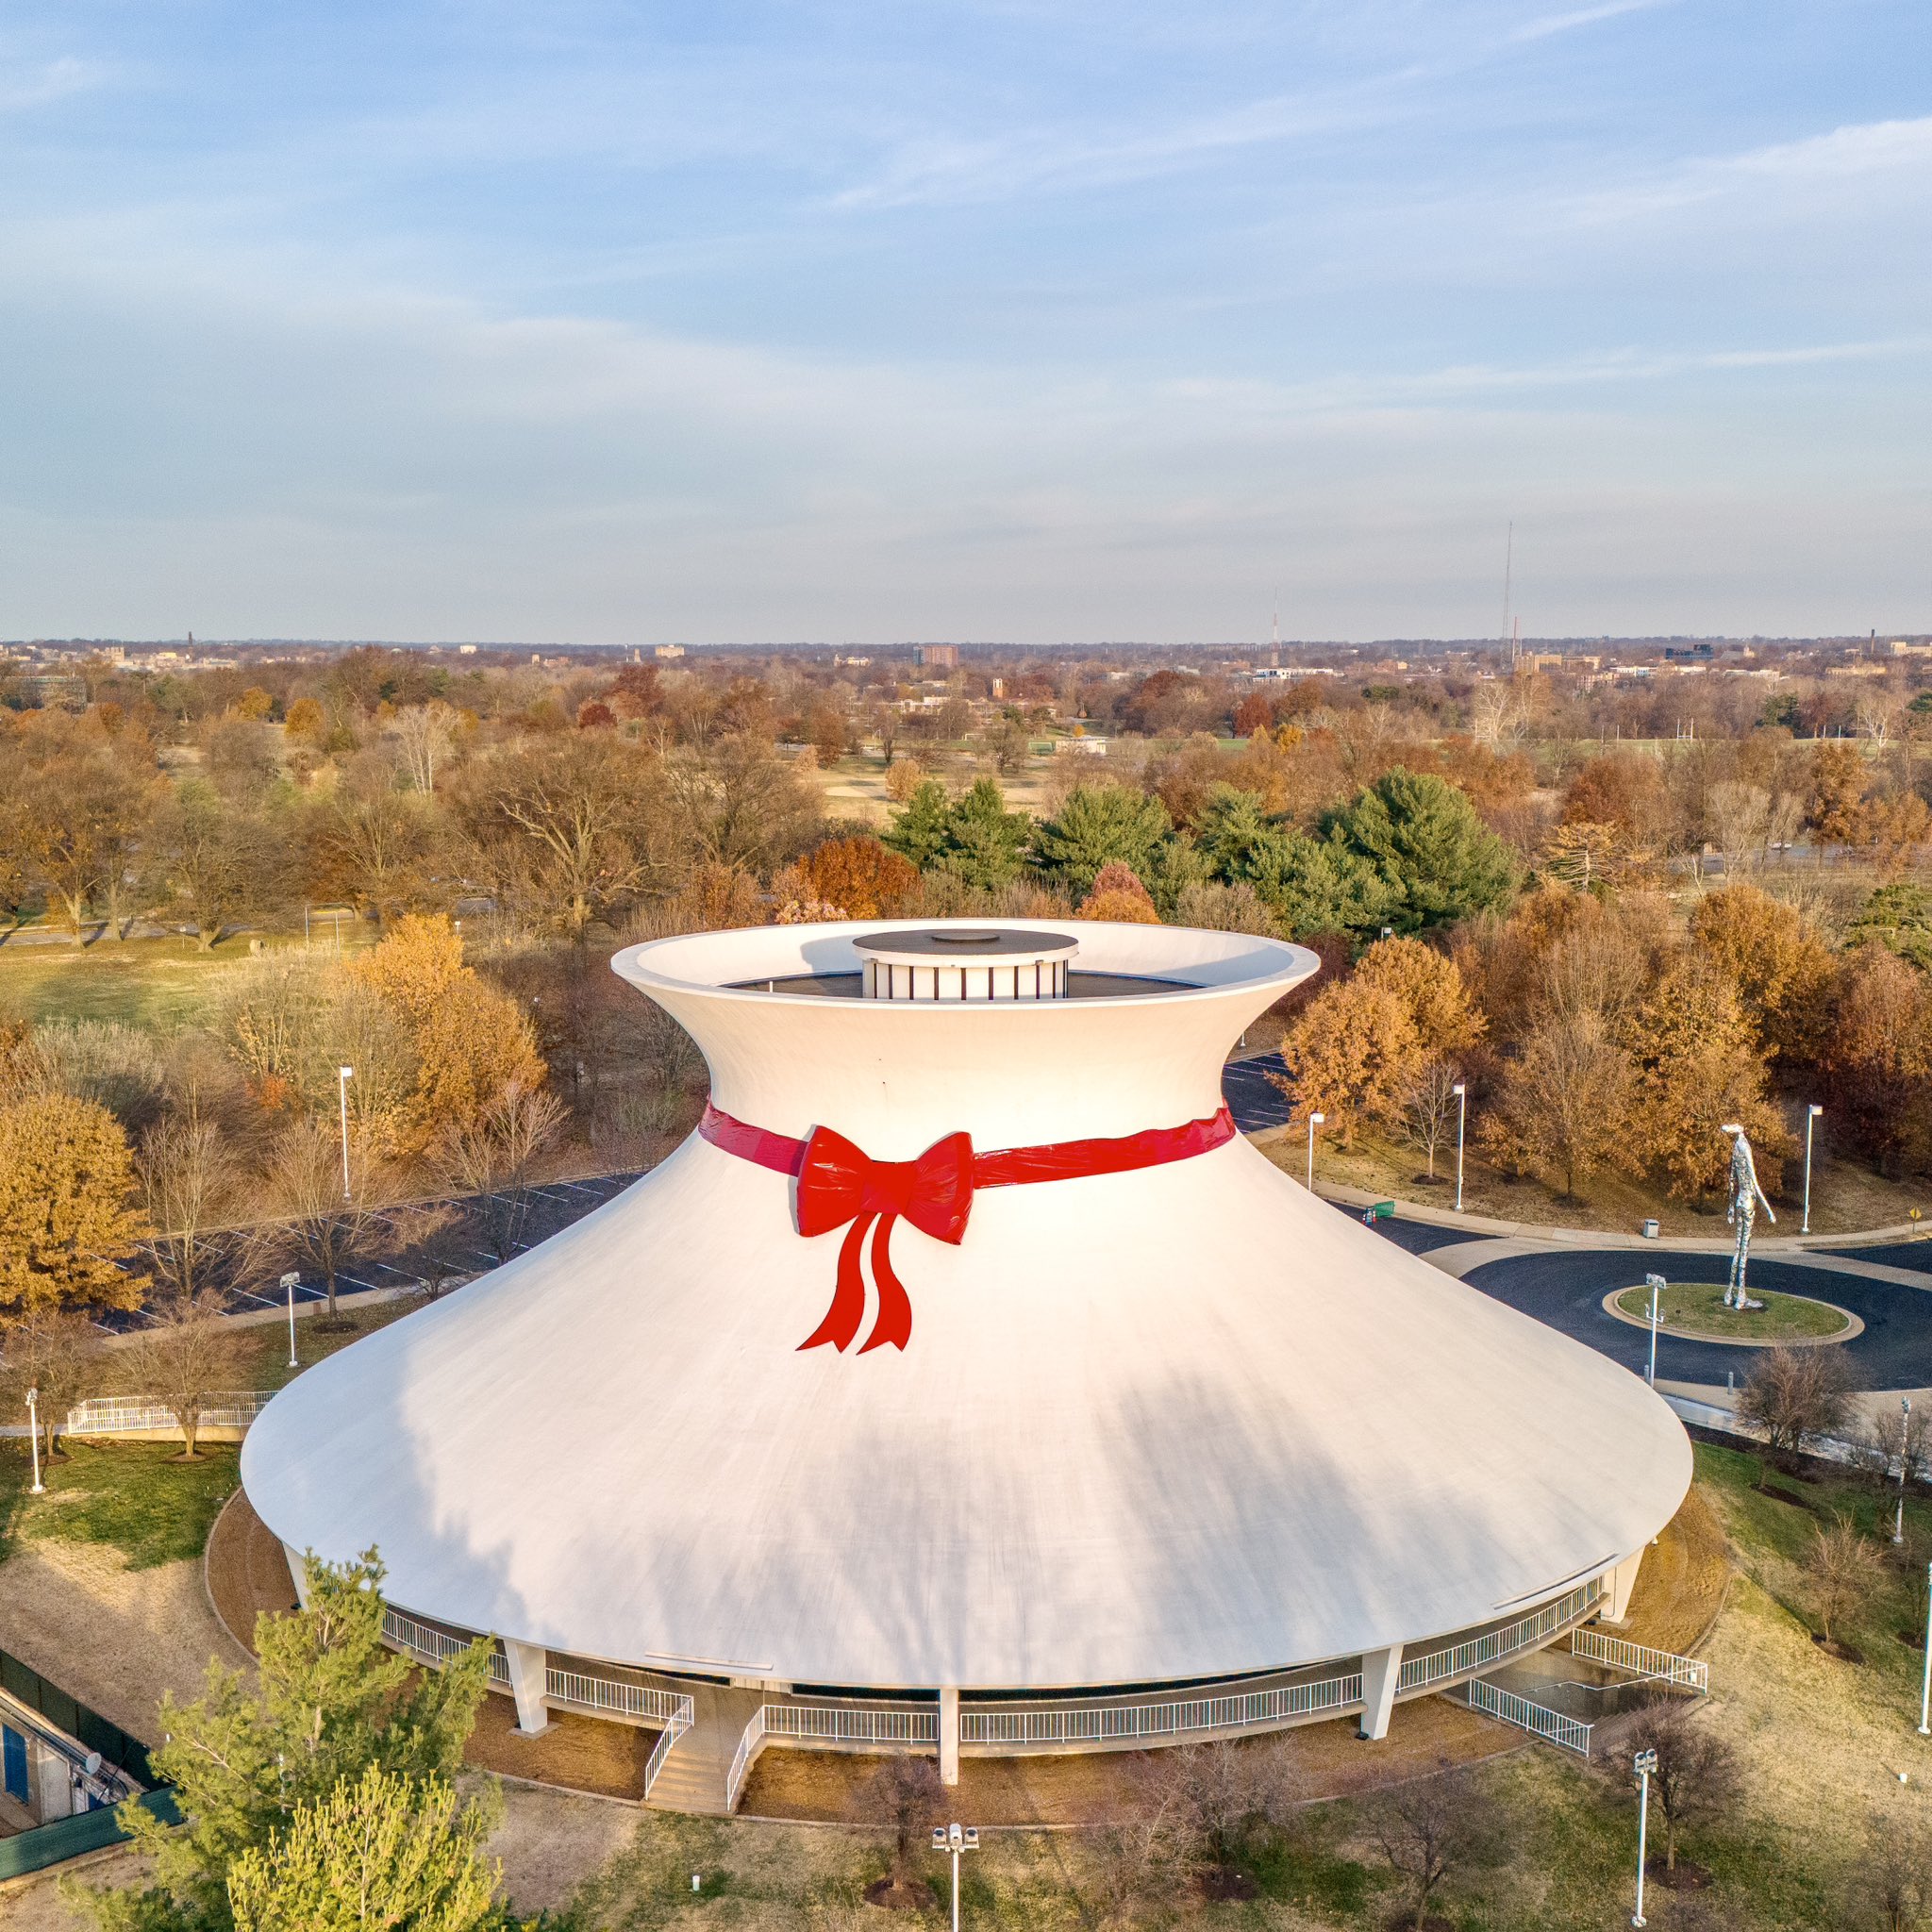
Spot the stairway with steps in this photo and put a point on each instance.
(697, 1766)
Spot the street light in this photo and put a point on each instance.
(955, 1838)
(33, 1424)
(1655, 1284)
(1642, 1764)
(1315, 1120)
(1460, 1090)
(1811, 1113)
(289, 1283)
(343, 1075)
(1926, 1680)
(1905, 1437)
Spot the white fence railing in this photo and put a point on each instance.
(749, 1747)
(1639, 1660)
(116, 1415)
(670, 1709)
(1479, 1653)
(1568, 1732)
(1075, 1723)
(831, 1723)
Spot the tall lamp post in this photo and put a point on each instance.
(343, 1075)
(33, 1425)
(1811, 1114)
(1460, 1090)
(1905, 1439)
(1642, 1764)
(1315, 1120)
(955, 1838)
(1926, 1679)
(289, 1283)
(1655, 1284)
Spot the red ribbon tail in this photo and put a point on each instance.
(848, 1300)
(894, 1322)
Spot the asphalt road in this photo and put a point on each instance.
(1566, 1291)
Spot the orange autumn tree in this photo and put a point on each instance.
(472, 1042)
(1352, 1055)
(67, 1214)
(1119, 895)
(1429, 985)
(861, 876)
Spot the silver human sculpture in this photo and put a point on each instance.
(1746, 1198)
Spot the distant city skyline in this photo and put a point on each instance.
(1031, 323)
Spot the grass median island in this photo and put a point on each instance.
(1697, 1308)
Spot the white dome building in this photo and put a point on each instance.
(966, 1380)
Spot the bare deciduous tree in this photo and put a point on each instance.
(1697, 1771)
(186, 1355)
(1429, 1106)
(1430, 1829)
(906, 1798)
(320, 1225)
(492, 1159)
(426, 736)
(54, 1353)
(1796, 1395)
(1841, 1564)
(187, 1179)
(1895, 1874)
(1212, 1800)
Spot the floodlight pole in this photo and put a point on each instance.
(1905, 1431)
(1926, 1680)
(33, 1424)
(1645, 1763)
(1811, 1113)
(1655, 1284)
(289, 1283)
(343, 1075)
(1461, 1093)
(955, 1838)
(1315, 1120)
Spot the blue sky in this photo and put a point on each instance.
(1030, 321)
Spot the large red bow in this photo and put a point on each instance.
(838, 1182)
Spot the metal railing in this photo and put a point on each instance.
(115, 1415)
(1638, 1659)
(831, 1723)
(435, 1646)
(1479, 1653)
(1537, 1719)
(1072, 1723)
(670, 1709)
(749, 1747)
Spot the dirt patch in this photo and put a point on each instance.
(1682, 1581)
(1223, 1884)
(247, 1573)
(586, 1754)
(1091, 1788)
(112, 1637)
(901, 1895)
(1687, 1875)
(1844, 1652)
(549, 1841)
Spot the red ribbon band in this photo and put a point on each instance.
(839, 1183)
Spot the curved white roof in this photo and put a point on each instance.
(1178, 1422)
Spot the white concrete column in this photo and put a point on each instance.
(297, 1573)
(949, 1734)
(1380, 1670)
(1614, 1605)
(529, 1681)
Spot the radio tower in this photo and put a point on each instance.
(1512, 634)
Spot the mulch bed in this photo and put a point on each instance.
(1687, 1877)
(1912, 1640)
(1219, 1884)
(901, 1895)
(1845, 1653)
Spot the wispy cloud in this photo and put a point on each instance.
(1551, 23)
(21, 88)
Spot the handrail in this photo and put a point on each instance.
(1638, 1659)
(1062, 1724)
(831, 1723)
(748, 1748)
(1479, 1653)
(1569, 1732)
(674, 1711)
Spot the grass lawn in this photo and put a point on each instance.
(1697, 1308)
(262, 1353)
(159, 983)
(141, 1497)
